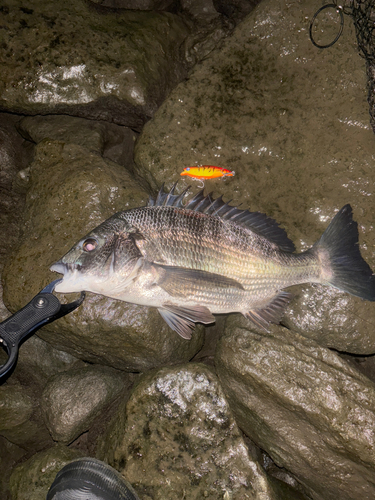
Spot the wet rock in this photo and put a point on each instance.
(72, 400)
(33, 478)
(235, 9)
(10, 454)
(20, 420)
(299, 141)
(74, 60)
(332, 318)
(134, 4)
(306, 407)
(176, 438)
(364, 364)
(209, 30)
(79, 190)
(212, 335)
(200, 9)
(107, 139)
(38, 361)
(13, 157)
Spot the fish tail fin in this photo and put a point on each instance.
(343, 266)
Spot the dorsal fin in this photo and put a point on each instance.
(256, 221)
(168, 199)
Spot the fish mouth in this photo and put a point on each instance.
(58, 267)
(64, 267)
(73, 281)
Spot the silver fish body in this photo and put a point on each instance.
(206, 257)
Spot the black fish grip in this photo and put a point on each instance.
(42, 309)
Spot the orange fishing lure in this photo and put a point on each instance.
(207, 172)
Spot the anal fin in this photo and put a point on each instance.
(182, 319)
(272, 312)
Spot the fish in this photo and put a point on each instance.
(204, 257)
(207, 172)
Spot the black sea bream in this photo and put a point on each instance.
(206, 257)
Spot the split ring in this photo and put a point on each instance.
(339, 11)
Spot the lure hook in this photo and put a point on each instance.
(201, 186)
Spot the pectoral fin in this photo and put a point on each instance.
(182, 319)
(179, 281)
(272, 312)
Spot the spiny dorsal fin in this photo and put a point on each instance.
(256, 221)
(170, 199)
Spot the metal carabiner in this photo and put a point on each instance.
(42, 309)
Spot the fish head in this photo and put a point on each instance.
(103, 259)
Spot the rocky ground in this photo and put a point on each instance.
(103, 101)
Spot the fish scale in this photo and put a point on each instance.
(207, 257)
(208, 247)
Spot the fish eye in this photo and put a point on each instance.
(187, 169)
(89, 245)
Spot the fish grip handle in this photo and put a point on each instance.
(42, 308)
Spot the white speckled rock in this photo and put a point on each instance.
(176, 438)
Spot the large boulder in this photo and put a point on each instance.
(292, 121)
(71, 59)
(72, 400)
(176, 438)
(306, 407)
(21, 422)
